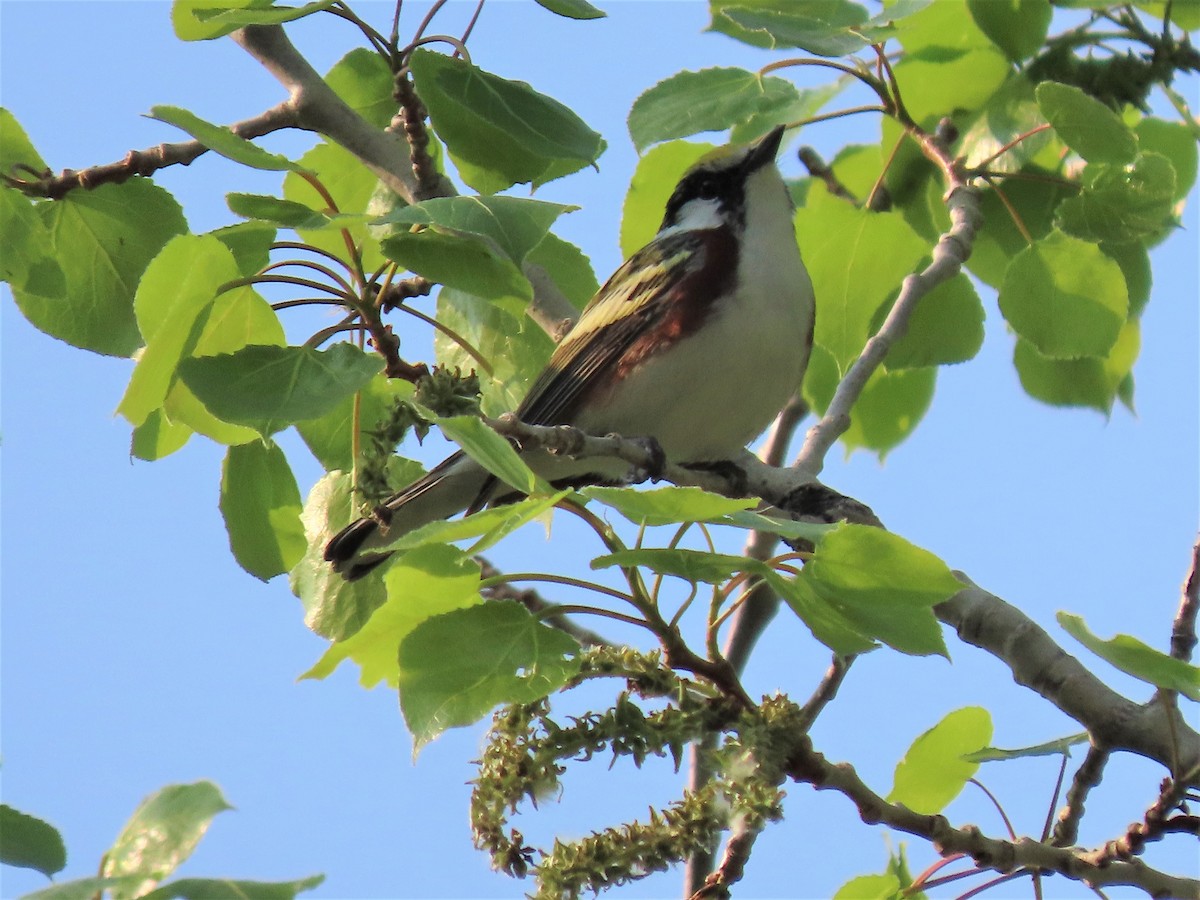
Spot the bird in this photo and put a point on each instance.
(696, 342)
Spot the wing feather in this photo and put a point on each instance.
(633, 304)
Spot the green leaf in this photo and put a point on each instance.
(364, 81)
(250, 244)
(1085, 124)
(883, 584)
(934, 770)
(499, 132)
(653, 181)
(30, 843)
(225, 889)
(425, 582)
(1066, 297)
(572, 9)
(948, 63)
(101, 240)
(999, 241)
(204, 20)
(1090, 382)
(1006, 124)
(870, 887)
(464, 262)
(158, 437)
(1122, 203)
(1133, 657)
(475, 244)
(456, 667)
(941, 81)
(221, 140)
(184, 407)
(709, 100)
(1185, 14)
(1135, 265)
(1173, 140)
(172, 304)
(16, 148)
(786, 528)
(945, 328)
(84, 888)
(856, 259)
(1062, 747)
(668, 505)
(782, 109)
(352, 186)
(493, 452)
(568, 266)
(261, 506)
(236, 319)
(27, 264)
(514, 345)
(162, 833)
(284, 213)
(822, 27)
(488, 526)
(695, 566)
(333, 607)
(331, 437)
(1018, 27)
(828, 624)
(889, 409)
(269, 388)
(515, 225)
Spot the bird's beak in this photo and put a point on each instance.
(763, 152)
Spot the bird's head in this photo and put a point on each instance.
(725, 187)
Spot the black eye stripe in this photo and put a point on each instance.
(706, 184)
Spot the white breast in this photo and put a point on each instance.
(708, 396)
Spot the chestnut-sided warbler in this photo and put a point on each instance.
(697, 340)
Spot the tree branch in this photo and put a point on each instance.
(810, 767)
(147, 162)
(1089, 774)
(318, 108)
(1183, 629)
(951, 252)
(1038, 663)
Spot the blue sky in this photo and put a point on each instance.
(136, 653)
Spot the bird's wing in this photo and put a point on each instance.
(661, 293)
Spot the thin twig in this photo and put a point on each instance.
(1183, 629)
(826, 689)
(533, 601)
(147, 162)
(1089, 774)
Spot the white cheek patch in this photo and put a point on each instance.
(697, 214)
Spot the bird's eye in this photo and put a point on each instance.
(707, 187)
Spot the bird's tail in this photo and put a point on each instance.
(448, 488)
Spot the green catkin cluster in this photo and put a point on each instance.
(445, 391)
(526, 753)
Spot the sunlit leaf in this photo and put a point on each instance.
(1133, 657)
(456, 667)
(934, 769)
(161, 834)
(30, 843)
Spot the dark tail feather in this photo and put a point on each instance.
(446, 489)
